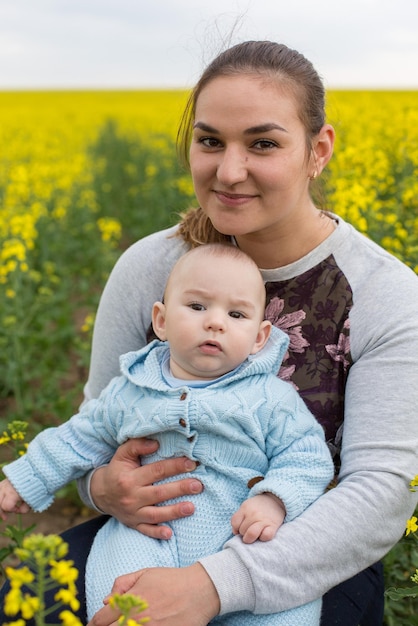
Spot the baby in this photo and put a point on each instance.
(206, 389)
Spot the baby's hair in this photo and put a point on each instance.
(226, 250)
(219, 250)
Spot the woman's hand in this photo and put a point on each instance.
(175, 597)
(126, 490)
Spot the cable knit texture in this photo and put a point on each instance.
(249, 425)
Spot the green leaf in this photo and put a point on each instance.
(395, 593)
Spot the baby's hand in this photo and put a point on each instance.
(10, 501)
(258, 517)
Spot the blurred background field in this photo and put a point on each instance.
(85, 174)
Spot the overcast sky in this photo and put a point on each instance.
(166, 43)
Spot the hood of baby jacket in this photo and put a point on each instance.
(144, 366)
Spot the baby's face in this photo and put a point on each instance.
(214, 308)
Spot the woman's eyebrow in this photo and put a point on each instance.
(264, 128)
(261, 128)
(206, 128)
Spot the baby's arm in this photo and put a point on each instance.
(10, 500)
(259, 517)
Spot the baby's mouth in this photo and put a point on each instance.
(211, 347)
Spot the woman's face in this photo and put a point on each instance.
(248, 156)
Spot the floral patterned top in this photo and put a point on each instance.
(313, 309)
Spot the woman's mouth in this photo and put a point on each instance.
(233, 199)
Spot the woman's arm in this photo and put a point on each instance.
(357, 523)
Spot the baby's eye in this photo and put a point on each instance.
(236, 315)
(196, 306)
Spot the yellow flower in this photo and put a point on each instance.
(67, 596)
(20, 576)
(29, 606)
(88, 323)
(414, 483)
(18, 436)
(68, 619)
(63, 571)
(42, 548)
(151, 170)
(110, 229)
(411, 525)
(15, 601)
(12, 601)
(131, 621)
(128, 603)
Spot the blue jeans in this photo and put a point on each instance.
(358, 601)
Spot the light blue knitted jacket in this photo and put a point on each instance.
(249, 425)
(245, 426)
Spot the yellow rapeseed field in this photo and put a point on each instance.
(82, 174)
(44, 139)
(374, 171)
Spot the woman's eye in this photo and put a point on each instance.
(236, 314)
(265, 144)
(209, 142)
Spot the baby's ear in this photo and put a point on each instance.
(158, 320)
(262, 336)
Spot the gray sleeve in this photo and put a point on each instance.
(124, 313)
(358, 522)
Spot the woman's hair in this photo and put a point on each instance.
(269, 60)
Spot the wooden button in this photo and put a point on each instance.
(182, 422)
(254, 481)
(183, 396)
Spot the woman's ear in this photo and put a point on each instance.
(262, 336)
(158, 320)
(322, 149)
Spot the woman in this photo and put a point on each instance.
(256, 137)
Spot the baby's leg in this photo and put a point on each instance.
(119, 550)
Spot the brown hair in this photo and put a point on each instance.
(275, 62)
(221, 250)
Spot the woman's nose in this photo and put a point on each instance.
(232, 167)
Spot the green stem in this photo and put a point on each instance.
(40, 592)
